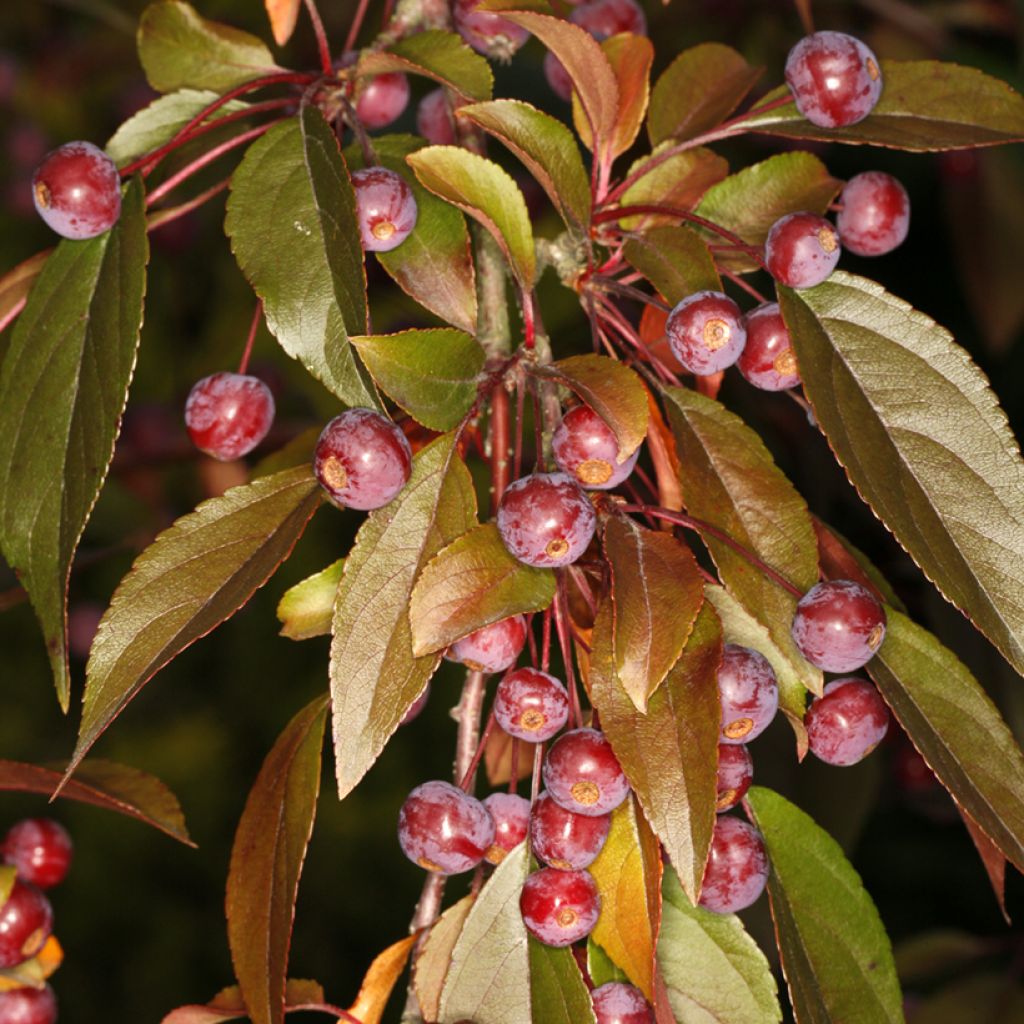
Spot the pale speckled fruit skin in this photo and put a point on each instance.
(875, 214)
(443, 829)
(511, 816)
(548, 894)
(489, 34)
(566, 840)
(40, 849)
(433, 121)
(749, 694)
(846, 722)
(371, 451)
(705, 332)
(77, 191)
(382, 99)
(26, 920)
(604, 18)
(585, 447)
(28, 1006)
(583, 760)
(385, 208)
(228, 414)
(531, 705)
(737, 867)
(619, 1003)
(546, 519)
(835, 79)
(735, 774)
(802, 250)
(491, 648)
(557, 77)
(838, 625)
(768, 360)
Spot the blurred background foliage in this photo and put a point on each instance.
(141, 918)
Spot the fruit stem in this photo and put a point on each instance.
(513, 769)
(257, 315)
(562, 624)
(357, 24)
(609, 284)
(740, 283)
(321, 37)
(466, 783)
(545, 646)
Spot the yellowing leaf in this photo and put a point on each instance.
(33, 973)
(306, 609)
(431, 965)
(283, 15)
(380, 979)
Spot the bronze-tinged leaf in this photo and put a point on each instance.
(306, 609)
(657, 592)
(283, 15)
(669, 755)
(498, 758)
(229, 1004)
(380, 979)
(628, 875)
(731, 481)
(375, 673)
(193, 577)
(836, 956)
(558, 993)
(473, 582)
(442, 56)
(63, 387)
(840, 560)
(921, 436)
(266, 862)
(992, 860)
(16, 284)
(430, 967)
(679, 182)
(675, 260)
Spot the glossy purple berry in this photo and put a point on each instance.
(559, 907)
(705, 332)
(835, 79)
(433, 121)
(582, 773)
(875, 214)
(385, 208)
(585, 448)
(737, 868)
(382, 99)
(768, 360)
(511, 816)
(492, 648)
(77, 191)
(443, 829)
(735, 774)
(749, 694)
(546, 519)
(40, 850)
(531, 705)
(228, 414)
(362, 459)
(28, 1006)
(26, 920)
(488, 33)
(604, 18)
(564, 839)
(846, 722)
(801, 250)
(619, 1003)
(838, 625)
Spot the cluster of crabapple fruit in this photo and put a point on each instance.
(39, 849)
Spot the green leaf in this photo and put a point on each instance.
(558, 994)
(15, 286)
(679, 182)
(713, 970)
(957, 728)
(546, 147)
(675, 260)
(158, 123)
(266, 862)
(731, 481)
(229, 1004)
(473, 582)
(835, 954)
(480, 188)
(291, 219)
(925, 106)
(442, 56)
(612, 390)
(115, 787)
(297, 452)
(375, 674)
(669, 754)
(697, 91)
(750, 201)
(63, 387)
(306, 609)
(601, 967)
(180, 49)
(922, 438)
(657, 592)
(430, 373)
(193, 577)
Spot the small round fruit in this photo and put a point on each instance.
(531, 705)
(385, 207)
(40, 849)
(768, 360)
(558, 78)
(559, 907)
(835, 79)
(846, 722)
(585, 448)
(382, 99)
(77, 191)
(26, 920)
(433, 121)
(492, 648)
(228, 414)
(566, 840)
(582, 773)
(546, 520)
(511, 816)
(735, 773)
(749, 694)
(28, 1006)
(802, 249)
(362, 459)
(489, 34)
(705, 332)
(416, 707)
(737, 867)
(875, 214)
(838, 625)
(619, 1003)
(604, 18)
(443, 829)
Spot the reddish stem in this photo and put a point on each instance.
(562, 625)
(740, 283)
(357, 24)
(517, 459)
(529, 328)
(628, 292)
(257, 315)
(501, 468)
(545, 647)
(466, 783)
(321, 37)
(513, 771)
(538, 761)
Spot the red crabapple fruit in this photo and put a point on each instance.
(385, 208)
(489, 34)
(582, 773)
(838, 625)
(604, 18)
(585, 448)
(26, 920)
(433, 120)
(566, 840)
(511, 816)
(705, 332)
(875, 214)
(619, 1003)
(546, 520)
(382, 99)
(416, 707)
(40, 849)
(28, 1006)
(491, 648)
(531, 705)
(749, 694)
(846, 722)
(559, 907)
(77, 191)
(835, 79)
(801, 250)
(768, 360)
(735, 774)
(737, 867)
(228, 414)
(443, 829)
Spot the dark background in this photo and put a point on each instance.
(141, 917)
